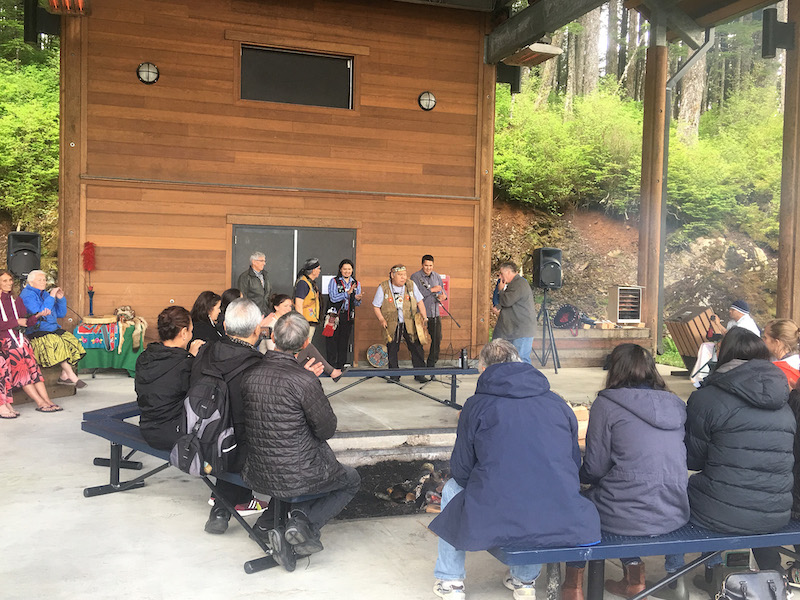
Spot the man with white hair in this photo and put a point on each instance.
(254, 283)
(516, 441)
(234, 351)
(289, 419)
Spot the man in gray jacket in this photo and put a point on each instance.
(517, 313)
(254, 283)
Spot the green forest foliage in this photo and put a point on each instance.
(29, 144)
(551, 159)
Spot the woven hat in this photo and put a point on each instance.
(742, 306)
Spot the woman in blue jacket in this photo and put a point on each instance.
(51, 344)
(516, 445)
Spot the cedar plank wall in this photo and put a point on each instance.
(166, 169)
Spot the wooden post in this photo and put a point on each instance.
(485, 190)
(71, 152)
(655, 91)
(788, 303)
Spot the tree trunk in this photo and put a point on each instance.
(623, 45)
(589, 69)
(633, 52)
(783, 16)
(570, 87)
(692, 87)
(548, 75)
(612, 50)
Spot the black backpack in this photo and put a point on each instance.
(209, 445)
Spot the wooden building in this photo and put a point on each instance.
(160, 176)
(177, 180)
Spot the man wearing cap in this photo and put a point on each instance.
(740, 317)
(397, 301)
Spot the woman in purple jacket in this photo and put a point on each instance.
(636, 463)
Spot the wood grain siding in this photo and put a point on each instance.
(167, 169)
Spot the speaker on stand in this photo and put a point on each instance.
(23, 253)
(548, 276)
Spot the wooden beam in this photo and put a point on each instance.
(482, 5)
(529, 25)
(788, 303)
(532, 55)
(679, 22)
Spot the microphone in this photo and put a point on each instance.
(426, 285)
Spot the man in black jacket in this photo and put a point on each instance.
(288, 421)
(242, 326)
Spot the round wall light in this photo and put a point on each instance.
(426, 101)
(147, 73)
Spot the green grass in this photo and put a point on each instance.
(671, 356)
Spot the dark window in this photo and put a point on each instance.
(297, 77)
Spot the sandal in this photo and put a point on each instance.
(64, 382)
(49, 409)
(8, 416)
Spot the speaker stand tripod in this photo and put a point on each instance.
(548, 338)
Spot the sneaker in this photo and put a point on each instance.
(253, 507)
(521, 589)
(450, 589)
(217, 521)
(299, 529)
(281, 551)
(421, 379)
(308, 548)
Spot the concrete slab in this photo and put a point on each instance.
(150, 544)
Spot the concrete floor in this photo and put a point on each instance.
(150, 544)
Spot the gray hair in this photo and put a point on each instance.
(511, 266)
(498, 351)
(33, 274)
(291, 332)
(241, 318)
(257, 256)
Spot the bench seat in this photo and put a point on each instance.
(688, 539)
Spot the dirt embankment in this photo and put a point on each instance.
(600, 251)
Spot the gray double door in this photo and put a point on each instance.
(287, 248)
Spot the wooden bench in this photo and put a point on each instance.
(109, 423)
(686, 540)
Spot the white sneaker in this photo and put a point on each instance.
(522, 591)
(450, 589)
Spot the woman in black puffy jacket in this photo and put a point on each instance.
(740, 437)
(162, 378)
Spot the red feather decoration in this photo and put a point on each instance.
(88, 256)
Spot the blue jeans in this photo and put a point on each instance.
(524, 347)
(450, 562)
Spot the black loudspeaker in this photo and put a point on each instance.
(24, 252)
(547, 268)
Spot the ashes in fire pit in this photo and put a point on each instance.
(374, 498)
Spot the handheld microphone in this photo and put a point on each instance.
(426, 285)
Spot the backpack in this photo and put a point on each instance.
(209, 445)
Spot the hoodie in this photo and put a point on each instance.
(516, 456)
(636, 460)
(161, 383)
(740, 435)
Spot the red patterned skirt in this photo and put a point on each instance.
(19, 367)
